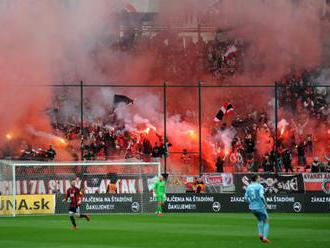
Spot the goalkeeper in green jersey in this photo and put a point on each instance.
(159, 189)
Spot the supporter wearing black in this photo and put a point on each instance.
(252, 165)
(309, 146)
(267, 164)
(156, 151)
(107, 144)
(316, 165)
(287, 159)
(147, 147)
(219, 165)
(51, 153)
(249, 147)
(301, 154)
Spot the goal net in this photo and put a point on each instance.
(37, 188)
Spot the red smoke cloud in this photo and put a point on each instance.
(54, 42)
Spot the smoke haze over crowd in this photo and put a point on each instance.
(68, 41)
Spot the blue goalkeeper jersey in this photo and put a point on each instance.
(254, 195)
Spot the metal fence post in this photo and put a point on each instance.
(200, 127)
(276, 125)
(165, 128)
(81, 119)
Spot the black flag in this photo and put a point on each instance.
(122, 99)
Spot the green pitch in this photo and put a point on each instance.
(170, 231)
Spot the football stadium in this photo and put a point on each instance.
(164, 123)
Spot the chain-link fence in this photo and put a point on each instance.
(207, 128)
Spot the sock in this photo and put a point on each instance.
(159, 209)
(83, 216)
(266, 230)
(260, 227)
(73, 221)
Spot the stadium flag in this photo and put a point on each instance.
(231, 49)
(129, 8)
(122, 99)
(225, 110)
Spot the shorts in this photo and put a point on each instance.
(261, 214)
(160, 198)
(74, 210)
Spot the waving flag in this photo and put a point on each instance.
(225, 110)
(122, 99)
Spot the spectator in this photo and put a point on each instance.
(112, 188)
(219, 165)
(301, 154)
(51, 153)
(309, 146)
(249, 147)
(186, 156)
(267, 165)
(200, 187)
(327, 167)
(237, 159)
(287, 159)
(316, 165)
(252, 165)
(156, 151)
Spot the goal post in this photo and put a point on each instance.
(7, 189)
(38, 188)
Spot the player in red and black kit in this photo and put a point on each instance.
(74, 196)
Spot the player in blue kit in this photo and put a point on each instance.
(254, 195)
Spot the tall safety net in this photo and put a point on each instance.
(37, 188)
(7, 189)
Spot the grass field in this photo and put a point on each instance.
(170, 231)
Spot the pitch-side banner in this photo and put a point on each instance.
(197, 203)
(317, 202)
(220, 203)
(317, 182)
(273, 183)
(92, 184)
(27, 204)
(111, 203)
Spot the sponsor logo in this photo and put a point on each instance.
(315, 177)
(224, 179)
(216, 206)
(275, 185)
(297, 207)
(135, 207)
(27, 204)
(214, 180)
(326, 186)
(272, 206)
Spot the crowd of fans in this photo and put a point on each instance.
(103, 143)
(300, 91)
(295, 149)
(180, 60)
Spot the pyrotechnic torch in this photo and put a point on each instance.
(226, 154)
(9, 136)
